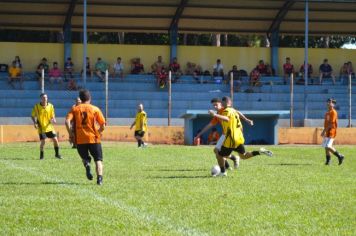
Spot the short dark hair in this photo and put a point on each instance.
(226, 99)
(42, 94)
(332, 100)
(84, 95)
(215, 100)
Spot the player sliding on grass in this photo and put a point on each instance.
(234, 139)
(43, 118)
(329, 132)
(86, 117)
(216, 102)
(140, 124)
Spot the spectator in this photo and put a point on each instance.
(68, 69)
(118, 68)
(43, 65)
(18, 62)
(350, 68)
(88, 69)
(236, 78)
(55, 74)
(301, 81)
(136, 66)
(288, 69)
(326, 71)
(194, 70)
(157, 66)
(100, 69)
(72, 85)
(269, 70)
(174, 67)
(344, 73)
(162, 77)
(255, 77)
(213, 136)
(218, 68)
(15, 73)
(261, 68)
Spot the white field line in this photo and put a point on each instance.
(135, 212)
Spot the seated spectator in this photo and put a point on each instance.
(350, 68)
(174, 67)
(68, 69)
(255, 77)
(72, 85)
(326, 71)
(118, 69)
(218, 68)
(288, 69)
(261, 68)
(158, 65)
(43, 65)
(162, 77)
(55, 74)
(269, 70)
(236, 77)
(136, 66)
(213, 136)
(15, 73)
(344, 73)
(194, 70)
(301, 80)
(18, 62)
(89, 70)
(100, 69)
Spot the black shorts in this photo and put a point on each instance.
(50, 134)
(224, 151)
(93, 148)
(139, 133)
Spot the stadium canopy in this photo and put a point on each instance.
(333, 17)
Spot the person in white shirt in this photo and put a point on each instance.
(218, 68)
(118, 69)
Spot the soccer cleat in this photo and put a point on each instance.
(341, 159)
(58, 156)
(99, 180)
(266, 152)
(222, 174)
(328, 161)
(236, 161)
(88, 172)
(144, 145)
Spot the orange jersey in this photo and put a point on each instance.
(215, 120)
(330, 120)
(85, 118)
(213, 136)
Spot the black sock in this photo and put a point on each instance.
(255, 153)
(233, 158)
(41, 154)
(222, 169)
(328, 158)
(100, 177)
(336, 153)
(56, 149)
(227, 165)
(138, 143)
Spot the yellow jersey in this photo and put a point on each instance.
(141, 121)
(44, 114)
(232, 129)
(14, 72)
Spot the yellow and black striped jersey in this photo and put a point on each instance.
(141, 121)
(232, 129)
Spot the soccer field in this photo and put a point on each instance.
(168, 190)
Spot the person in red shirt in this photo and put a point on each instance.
(329, 132)
(174, 67)
(255, 77)
(288, 69)
(261, 68)
(162, 77)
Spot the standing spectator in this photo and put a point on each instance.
(288, 69)
(236, 78)
(218, 68)
(55, 74)
(158, 65)
(88, 69)
(43, 118)
(136, 66)
(18, 62)
(87, 134)
(100, 69)
(174, 67)
(326, 71)
(255, 77)
(68, 69)
(118, 69)
(15, 73)
(261, 68)
(43, 65)
(213, 136)
(140, 124)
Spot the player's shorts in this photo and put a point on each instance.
(139, 133)
(93, 148)
(220, 142)
(224, 151)
(50, 134)
(327, 142)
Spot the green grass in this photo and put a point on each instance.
(168, 190)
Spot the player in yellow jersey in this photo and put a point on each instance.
(140, 124)
(234, 139)
(43, 118)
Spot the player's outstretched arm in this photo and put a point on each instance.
(243, 117)
(206, 128)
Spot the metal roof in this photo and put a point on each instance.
(191, 16)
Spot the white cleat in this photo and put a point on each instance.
(221, 174)
(144, 145)
(237, 162)
(266, 152)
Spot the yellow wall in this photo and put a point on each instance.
(244, 58)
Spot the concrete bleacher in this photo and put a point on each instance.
(187, 94)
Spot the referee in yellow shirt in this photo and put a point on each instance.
(43, 118)
(140, 124)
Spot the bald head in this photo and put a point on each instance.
(140, 107)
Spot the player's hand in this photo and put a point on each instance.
(71, 138)
(35, 125)
(53, 121)
(322, 133)
(250, 122)
(211, 112)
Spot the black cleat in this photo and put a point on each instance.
(41, 158)
(328, 160)
(88, 172)
(58, 156)
(99, 181)
(341, 159)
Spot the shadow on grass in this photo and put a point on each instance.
(171, 170)
(181, 177)
(40, 183)
(290, 164)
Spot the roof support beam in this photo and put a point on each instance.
(67, 30)
(280, 16)
(178, 14)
